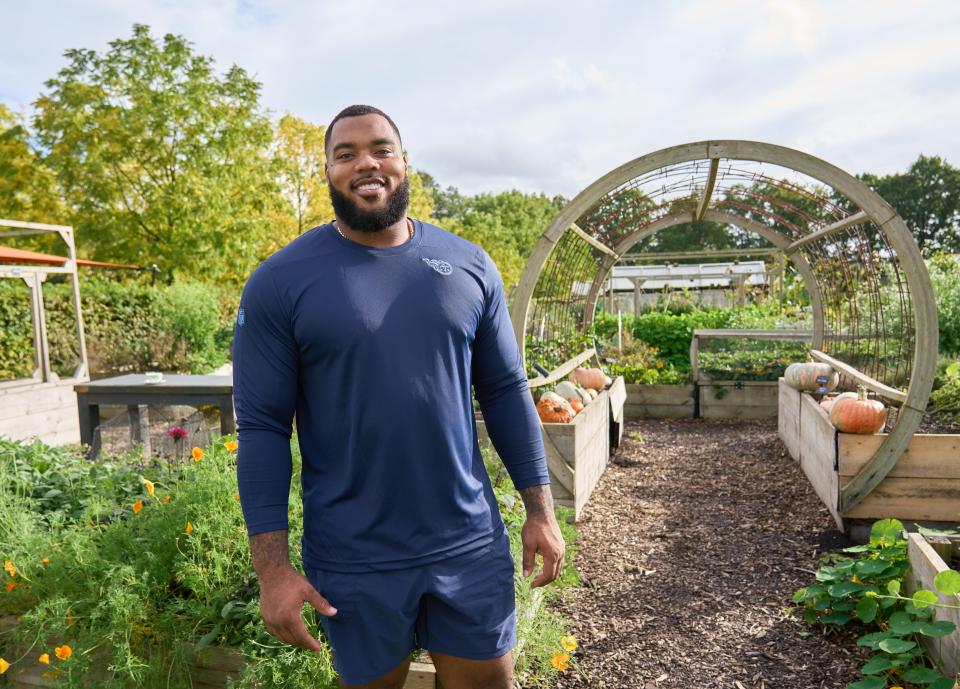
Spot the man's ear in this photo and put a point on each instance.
(326, 172)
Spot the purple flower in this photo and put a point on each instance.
(178, 433)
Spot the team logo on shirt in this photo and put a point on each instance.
(441, 267)
(241, 319)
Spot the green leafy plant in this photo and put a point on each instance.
(946, 398)
(865, 588)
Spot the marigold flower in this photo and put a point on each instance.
(137, 506)
(178, 433)
(10, 568)
(231, 445)
(45, 561)
(4, 666)
(166, 499)
(189, 529)
(197, 454)
(237, 497)
(63, 652)
(569, 643)
(11, 585)
(149, 486)
(560, 661)
(44, 658)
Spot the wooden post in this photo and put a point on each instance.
(140, 428)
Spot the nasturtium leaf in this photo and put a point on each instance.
(896, 645)
(836, 618)
(822, 604)
(921, 675)
(799, 595)
(937, 628)
(943, 683)
(845, 605)
(901, 623)
(857, 549)
(872, 640)
(885, 532)
(844, 588)
(869, 568)
(876, 664)
(867, 609)
(893, 587)
(869, 683)
(810, 616)
(923, 598)
(947, 582)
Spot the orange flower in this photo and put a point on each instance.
(197, 454)
(149, 486)
(63, 652)
(237, 497)
(189, 529)
(137, 506)
(166, 499)
(44, 658)
(569, 643)
(560, 661)
(4, 666)
(231, 445)
(10, 568)
(45, 560)
(11, 585)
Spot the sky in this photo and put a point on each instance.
(549, 96)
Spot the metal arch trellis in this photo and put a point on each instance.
(873, 306)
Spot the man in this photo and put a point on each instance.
(371, 330)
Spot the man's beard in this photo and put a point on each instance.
(376, 220)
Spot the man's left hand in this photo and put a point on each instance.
(541, 534)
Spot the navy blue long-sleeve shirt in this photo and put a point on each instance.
(375, 351)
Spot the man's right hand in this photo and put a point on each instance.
(282, 595)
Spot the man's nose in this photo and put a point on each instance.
(367, 161)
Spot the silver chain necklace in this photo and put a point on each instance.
(409, 227)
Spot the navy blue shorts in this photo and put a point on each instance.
(463, 606)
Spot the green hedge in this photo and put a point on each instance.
(183, 327)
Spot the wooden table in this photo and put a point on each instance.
(133, 391)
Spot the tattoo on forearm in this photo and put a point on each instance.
(537, 500)
(269, 549)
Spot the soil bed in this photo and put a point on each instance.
(690, 550)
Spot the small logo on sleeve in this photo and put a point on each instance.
(441, 267)
(241, 318)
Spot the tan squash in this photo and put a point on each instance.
(811, 376)
(827, 402)
(592, 378)
(860, 415)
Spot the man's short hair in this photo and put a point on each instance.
(357, 111)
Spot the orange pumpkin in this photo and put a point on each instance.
(552, 412)
(577, 404)
(827, 402)
(592, 378)
(860, 415)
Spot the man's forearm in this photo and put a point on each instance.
(537, 500)
(269, 551)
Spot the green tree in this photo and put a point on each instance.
(161, 159)
(28, 189)
(927, 197)
(507, 226)
(299, 158)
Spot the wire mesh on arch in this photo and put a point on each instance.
(867, 310)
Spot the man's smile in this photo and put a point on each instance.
(369, 187)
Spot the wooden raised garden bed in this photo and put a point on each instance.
(925, 564)
(924, 485)
(659, 401)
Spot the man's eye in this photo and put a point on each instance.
(344, 156)
(385, 151)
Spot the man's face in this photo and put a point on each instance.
(367, 174)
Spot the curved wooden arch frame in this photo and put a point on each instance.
(877, 210)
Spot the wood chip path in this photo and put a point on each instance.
(690, 550)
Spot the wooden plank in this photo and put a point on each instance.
(421, 676)
(708, 190)
(4, 222)
(862, 378)
(818, 455)
(925, 565)
(658, 411)
(694, 255)
(562, 370)
(594, 242)
(618, 396)
(909, 499)
(788, 418)
(927, 456)
(659, 394)
(833, 228)
(16, 402)
(787, 335)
